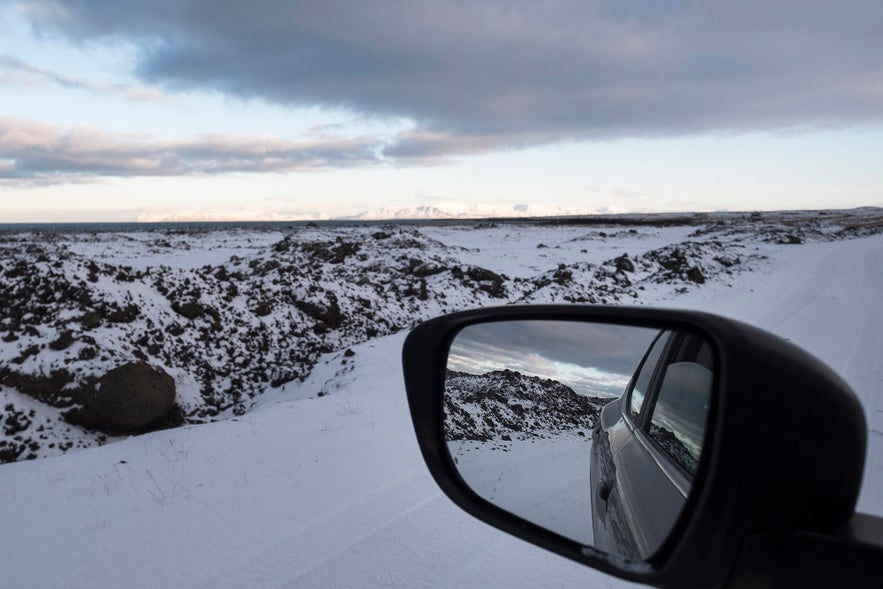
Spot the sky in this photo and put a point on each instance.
(591, 358)
(280, 109)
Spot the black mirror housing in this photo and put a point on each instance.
(784, 447)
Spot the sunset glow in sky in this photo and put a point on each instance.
(279, 109)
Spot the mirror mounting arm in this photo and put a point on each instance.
(850, 554)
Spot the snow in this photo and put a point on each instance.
(543, 481)
(330, 491)
(525, 250)
(471, 211)
(311, 492)
(826, 298)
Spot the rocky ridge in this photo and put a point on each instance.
(505, 405)
(227, 315)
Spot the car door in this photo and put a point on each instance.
(655, 445)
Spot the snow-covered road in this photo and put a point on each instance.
(332, 492)
(544, 481)
(828, 299)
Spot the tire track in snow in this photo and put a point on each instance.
(445, 547)
(828, 299)
(804, 290)
(304, 547)
(863, 369)
(867, 349)
(325, 572)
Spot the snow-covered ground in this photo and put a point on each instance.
(306, 490)
(544, 481)
(826, 298)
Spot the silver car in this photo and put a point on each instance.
(647, 445)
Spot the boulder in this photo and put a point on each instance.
(132, 397)
(695, 275)
(188, 310)
(624, 264)
(64, 341)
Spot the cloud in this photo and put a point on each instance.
(589, 356)
(32, 152)
(15, 70)
(483, 76)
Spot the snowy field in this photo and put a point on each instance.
(305, 489)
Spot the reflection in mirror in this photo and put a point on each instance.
(544, 419)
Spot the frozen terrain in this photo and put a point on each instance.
(310, 476)
(522, 442)
(544, 481)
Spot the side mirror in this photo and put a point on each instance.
(659, 446)
(529, 404)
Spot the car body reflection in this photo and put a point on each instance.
(647, 445)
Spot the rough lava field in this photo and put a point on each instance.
(284, 455)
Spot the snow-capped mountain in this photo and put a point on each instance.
(421, 212)
(471, 211)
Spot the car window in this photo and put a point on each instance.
(680, 412)
(645, 375)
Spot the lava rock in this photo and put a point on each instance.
(624, 264)
(63, 342)
(132, 397)
(189, 310)
(790, 239)
(695, 275)
(91, 319)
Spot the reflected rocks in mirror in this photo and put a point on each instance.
(592, 431)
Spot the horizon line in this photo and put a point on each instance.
(355, 219)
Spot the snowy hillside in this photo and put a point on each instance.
(508, 405)
(222, 316)
(309, 475)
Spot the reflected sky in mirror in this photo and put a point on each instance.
(593, 359)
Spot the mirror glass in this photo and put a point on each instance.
(593, 431)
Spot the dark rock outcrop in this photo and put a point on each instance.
(508, 403)
(131, 397)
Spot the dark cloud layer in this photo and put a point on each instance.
(482, 76)
(608, 353)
